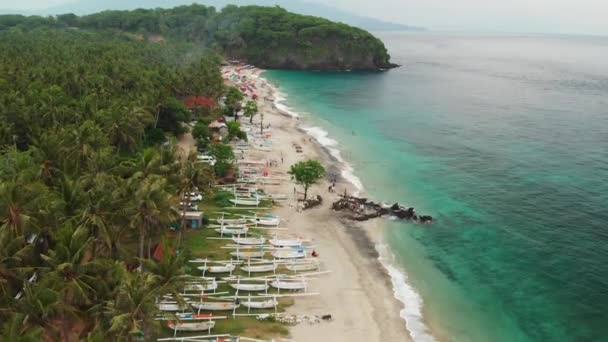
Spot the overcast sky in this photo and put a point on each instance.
(551, 16)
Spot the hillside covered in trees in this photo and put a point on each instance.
(268, 37)
(90, 180)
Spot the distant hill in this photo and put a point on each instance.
(84, 7)
(268, 37)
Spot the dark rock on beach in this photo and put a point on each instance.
(361, 209)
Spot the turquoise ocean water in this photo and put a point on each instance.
(504, 140)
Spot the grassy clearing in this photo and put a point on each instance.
(197, 245)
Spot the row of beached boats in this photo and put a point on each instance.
(196, 307)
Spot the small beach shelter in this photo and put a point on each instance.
(194, 219)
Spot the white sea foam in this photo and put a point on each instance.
(279, 103)
(280, 99)
(406, 294)
(347, 171)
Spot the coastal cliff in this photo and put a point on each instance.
(273, 38)
(267, 37)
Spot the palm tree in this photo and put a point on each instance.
(133, 309)
(151, 208)
(192, 176)
(18, 206)
(126, 127)
(15, 256)
(15, 330)
(67, 272)
(170, 271)
(251, 109)
(41, 306)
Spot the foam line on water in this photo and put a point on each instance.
(347, 171)
(279, 99)
(403, 292)
(406, 294)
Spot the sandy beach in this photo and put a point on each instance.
(357, 293)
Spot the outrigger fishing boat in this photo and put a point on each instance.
(289, 254)
(215, 306)
(303, 266)
(249, 287)
(248, 254)
(227, 268)
(266, 220)
(246, 201)
(259, 268)
(277, 242)
(248, 241)
(288, 284)
(232, 230)
(264, 304)
(191, 325)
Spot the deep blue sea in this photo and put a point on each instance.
(504, 140)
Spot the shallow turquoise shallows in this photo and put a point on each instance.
(504, 140)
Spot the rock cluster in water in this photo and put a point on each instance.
(361, 209)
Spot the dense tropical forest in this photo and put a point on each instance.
(90, 180)
(268, 37)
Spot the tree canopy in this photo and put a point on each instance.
(307, 173)
(269, 37)
(87, 183)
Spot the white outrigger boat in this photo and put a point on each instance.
(249, 287)
(303, 266)
(265, 304)
(215, 306)
(259, 268)
(246, 201)
(169, 307)
(266, 220)
(232, 231)
(289, 254)
(288, 285)
(248, 241)
(227, 222)
(286, 242)
(248, 254)
(227, 268)
(209, 285)
(192, 324)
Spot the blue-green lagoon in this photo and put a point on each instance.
(504, 140)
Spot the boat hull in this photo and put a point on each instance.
(246, 202)
(248, 241)
(267, 304)
(288, 255)
(259, 268)
(215, 306)
(288, 285)
(247, 255)
(191, 326)
(249, 287)
(285, 243)
(217, 269)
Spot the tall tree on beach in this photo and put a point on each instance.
(193, 176)
(307, 173)
(151, 209)
(251, 109)
(233, 101)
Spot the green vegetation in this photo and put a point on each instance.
(268, 37)
(224, 159)
(307, 173)
(90, 179)
(251, 109)
(86, 188)
(233, 101)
